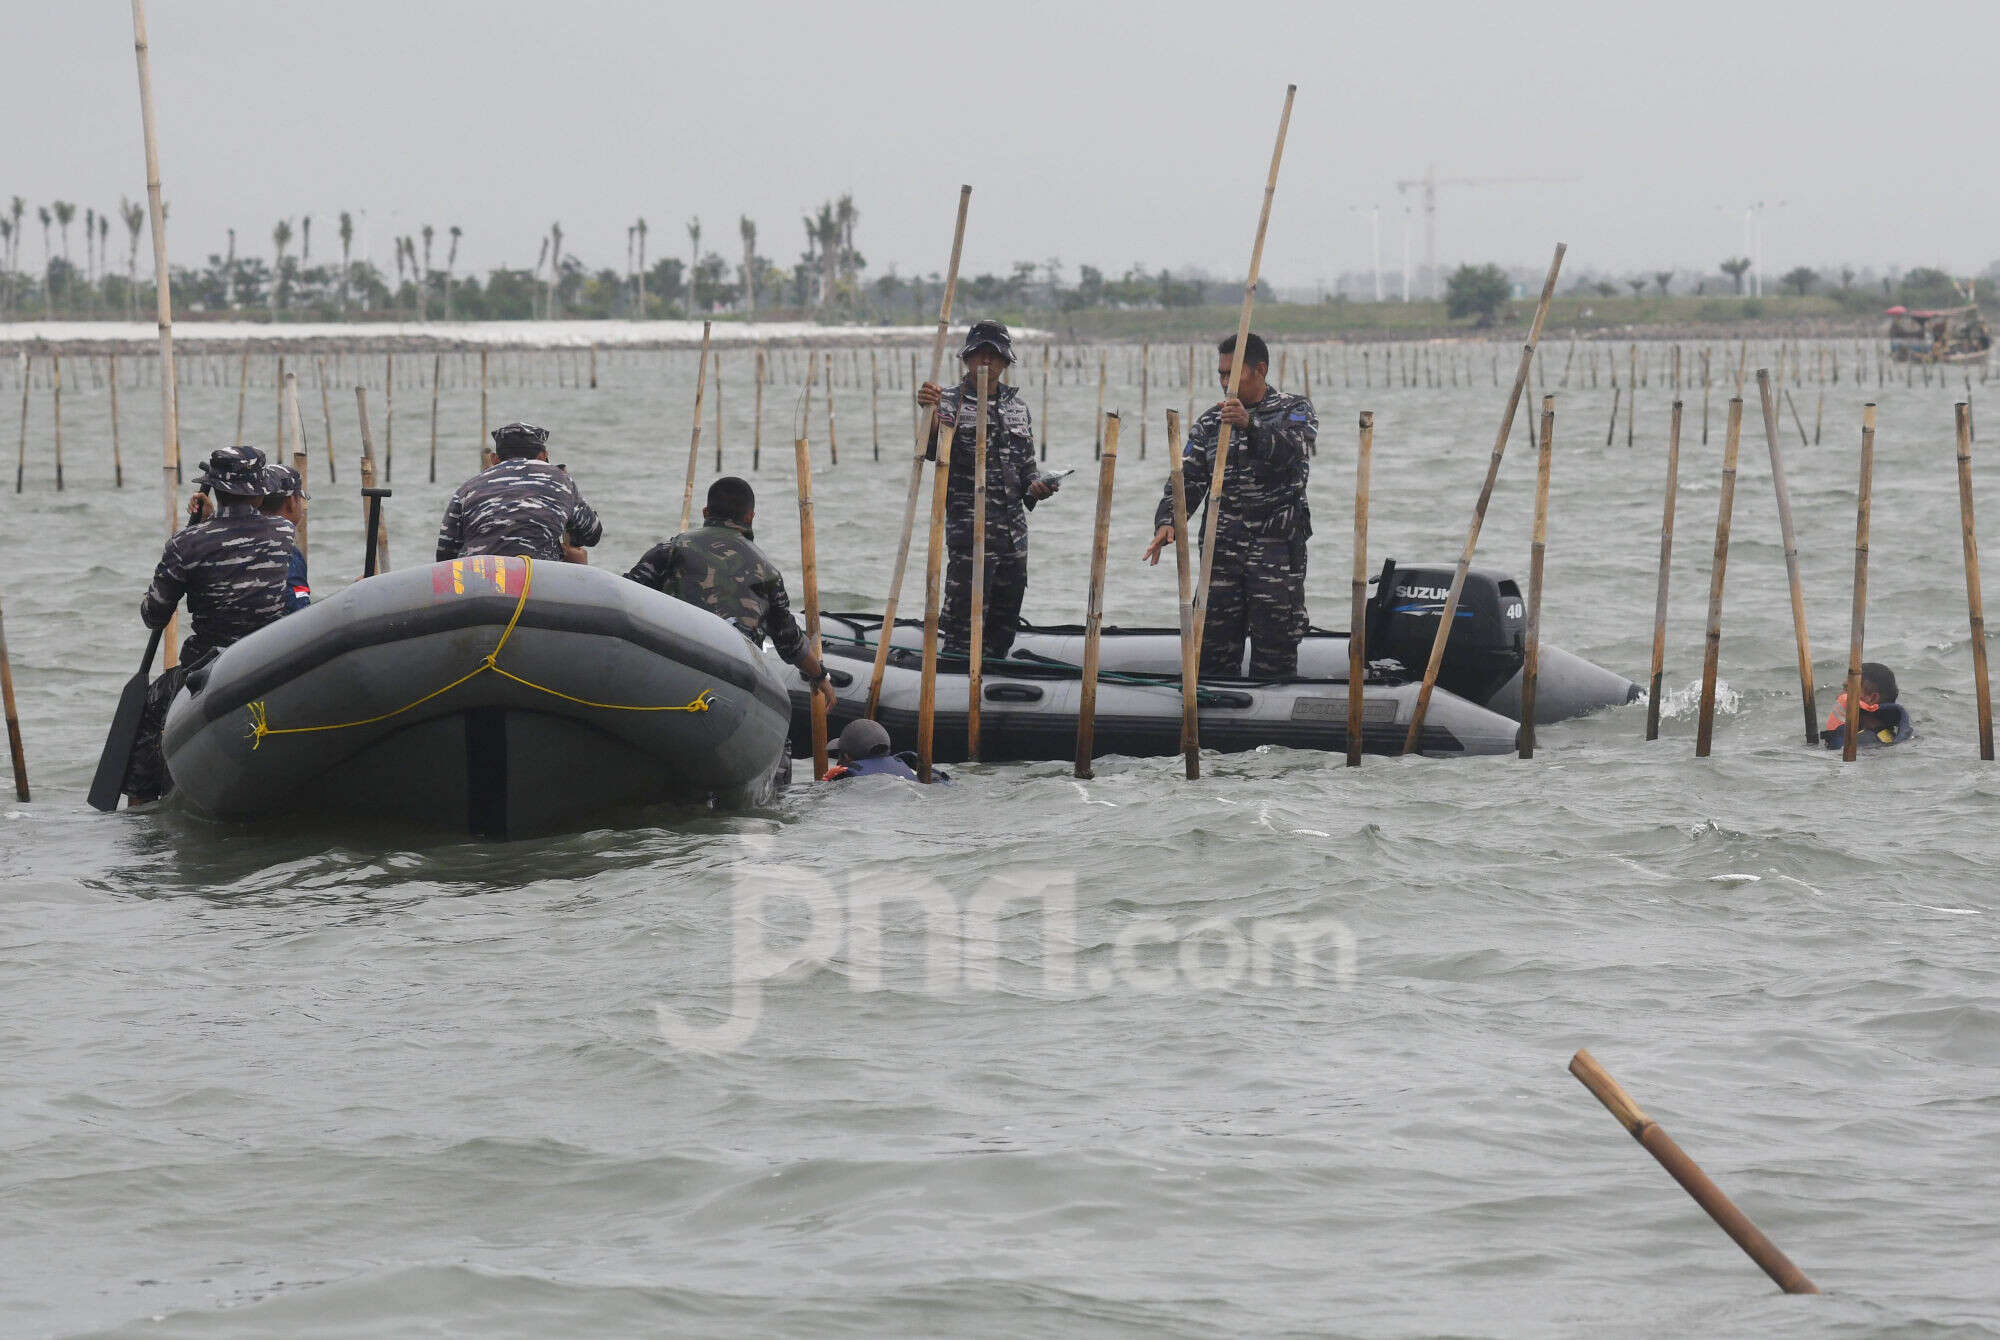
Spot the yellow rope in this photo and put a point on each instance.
(260, 726)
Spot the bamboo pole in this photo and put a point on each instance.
(1654, 684)
(1632, 384)
(1450, 612)
(485, 441)
(976, 644)
(715, 370)
(1982, 686)
(923, 433)
(1357, 618)
(757, 419)
(1692, 1179)
(21, 455)
(326, 413)
(1043, 422)
(1236, 362)
(55, 381)
(874, 408)
(290, 398)
(242, 391)
(832, 441)
(1611, 429)
(381, 533)
(170, 446)
(1183, 572)
(1145, 391)
(437, 367)
(933, 568)
(117, 453)
(1093, 619)
(388, 419)
(1531, 669)
(1712, 641)
(809, 576)
(14, 749)
(694, 444)
(1798, 423)
(1770, 407)
(1858, 620)
(1098, 449)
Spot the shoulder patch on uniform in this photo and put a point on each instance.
(1301, 416)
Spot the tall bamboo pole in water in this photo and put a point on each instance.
(326, 413)
(1450, 611)
(1093, 619)
(1531, 669)
(1982, 686)
(485, 441)
(170, 447)
(1357, 618)
(757, 418)
(21, 451)
(437, 365)
(1183, 572)
(715, 369)
(242, 390)
(976, 652)
(1666, 564)
(1712, 642)
(290, 395)
(117, 455)
(694, 444)
(14, 749)
(809, 575)
(1859, 618)
(1770, 408)
(923, 433)
(55, 376)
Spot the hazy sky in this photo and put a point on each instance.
(1101, 133)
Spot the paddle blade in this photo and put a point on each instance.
(109, 783)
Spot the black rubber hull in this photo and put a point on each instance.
(380, 701)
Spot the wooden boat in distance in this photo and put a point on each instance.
(1947, 335)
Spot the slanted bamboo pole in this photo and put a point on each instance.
(976, 649)
(170, 446)
(326, 413)
(1357, 617)
(1655, 683)
(1093, 619)
(1236, 362)
(1732, 438)
(1982, 686)
(14, 748)
(1450, 611)
(923, 433)
(1692, 1179)
(694, 443)
(1858, 619)
(1798, 423)
(1611, 429)
(1770, 407)
(1183, 571)
(1531, 668)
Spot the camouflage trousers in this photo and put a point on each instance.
(1258, 591)
(146, 777)
(1006, 585)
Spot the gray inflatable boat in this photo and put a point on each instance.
(499, 697)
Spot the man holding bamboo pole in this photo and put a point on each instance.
(1013, 487)
(1258, 582)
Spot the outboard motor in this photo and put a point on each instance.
(1487, 647)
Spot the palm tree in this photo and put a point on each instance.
(229, 293)
(103, 240)
(641, 226)
(749, 231)
(89, 245)
(1735, 267)
(346, 255)
(65, 213)
(555, 268)
(135, 218)
(1663, 278)
(281, 237)
(47, 219)
(845, 212)
(694, 260)
(540, 257)
(424, 278)
(450, 263)
(829, 251)
(6, 248)
(14, 253)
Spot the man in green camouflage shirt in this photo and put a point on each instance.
(719, 567)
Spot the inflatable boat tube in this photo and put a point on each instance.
(499, 697)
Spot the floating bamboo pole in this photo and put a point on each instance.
(1357, 617)
(1531, 668)
(1654, 684)
(923, 434)
(1692, 1179)
(694, 444)
(1858, 619)
(1450, 611)
(1982, 686)
(170, 447)
(1093, 619)
(1712, 640)
(1770, 408)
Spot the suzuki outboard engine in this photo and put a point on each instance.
(1488, 645)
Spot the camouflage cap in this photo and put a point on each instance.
(237, 470)
(988, 335)
(520, 439)
(281, 481)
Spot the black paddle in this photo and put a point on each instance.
(374, 497)
(109, 783)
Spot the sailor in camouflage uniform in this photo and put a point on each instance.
(233, 568)
(519, 506)
(1257, 586)
(719, 567)
(1013, 486)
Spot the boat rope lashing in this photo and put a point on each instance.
(260, 726)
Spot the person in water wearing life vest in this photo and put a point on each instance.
(233, 567)
(1013, 486)
(519, 506)
(863, 750)
(1257, 583)
(1882, 719)
(719, 567)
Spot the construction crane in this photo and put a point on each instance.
(1430, 181)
